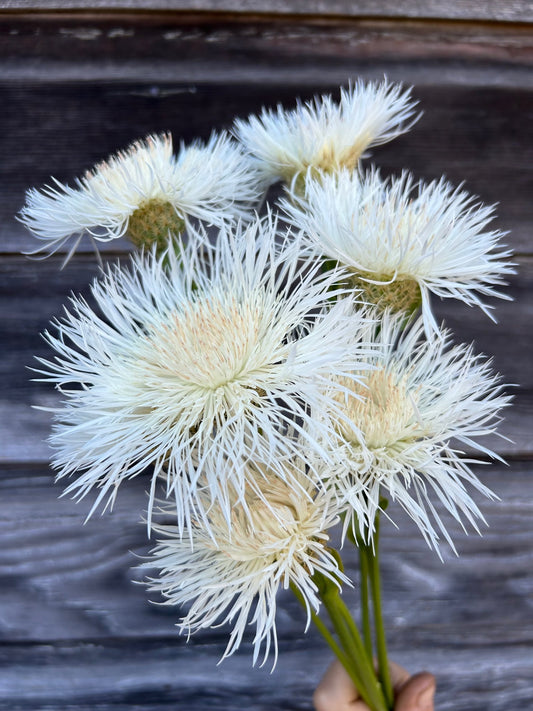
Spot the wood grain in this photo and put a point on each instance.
(76, 578)
(82, 79)
(490, 10)
(82, 636)
(131, 78)
(294, 51)
(162, 676)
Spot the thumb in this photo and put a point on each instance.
(417, 694)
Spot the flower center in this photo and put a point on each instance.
(384, 411)
(277, 530)
(152, 222)
(213, 343)
(402, 295)
(329, 159)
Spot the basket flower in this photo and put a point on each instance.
(269, 384)
(188, 361)
(325, 136)
(230, 569)
(146, 193)
(403, 241)
(413, 422)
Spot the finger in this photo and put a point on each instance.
(398, 675)
(417, 694)
(336, 691)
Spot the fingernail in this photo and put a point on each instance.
(425, 698)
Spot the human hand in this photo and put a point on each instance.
(336, 691)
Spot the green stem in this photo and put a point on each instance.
(346, 629)
(337, 650)
(381, 643)
(365, 607)
(319, 624)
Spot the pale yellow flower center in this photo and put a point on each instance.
(212, 343)
(280, 530)
(402, 295)
(327, 160)
(330, 160)
(152, 223)
(382, 408)
(267, 531)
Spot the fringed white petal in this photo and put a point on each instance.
(388, 231)
(194, 359)
(325, 135)
(229, 570)
(419, 403)
(214, 182)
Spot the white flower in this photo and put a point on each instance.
(324, 135)
(146, 192)
(230, 571)
(218, 355)
(402, 241)
(418, 404)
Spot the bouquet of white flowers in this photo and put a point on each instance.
(274, 370)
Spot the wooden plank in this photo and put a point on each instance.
(78, 635)
(189, 48)
(160, 677)
(490, 10)
(32, 293)
(183, 75)
(66, 580)
(477, 135)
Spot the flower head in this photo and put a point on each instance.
(147, 193)
(231, 571)
(418, 404)
(326, 136)
(215, 356)
(401, 241)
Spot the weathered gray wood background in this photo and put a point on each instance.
(81, 79)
